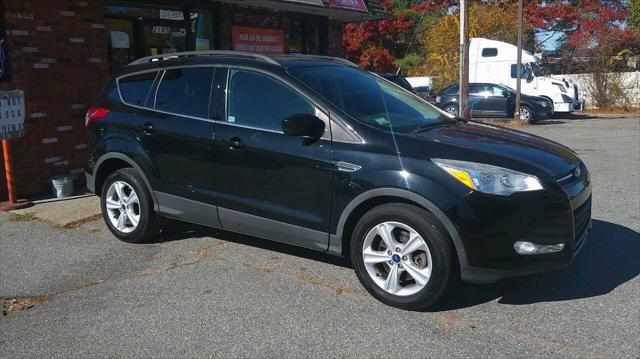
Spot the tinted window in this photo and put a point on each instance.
(451, 90)
(368, 98)
(489, 52)
(261, 101)
(135, 89)
(186, 91)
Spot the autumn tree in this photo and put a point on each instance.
(494, 20)
(383, 45)
(634, 16)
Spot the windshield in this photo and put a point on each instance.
(370, 99)
(541, 69)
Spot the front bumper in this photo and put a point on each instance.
(559, 214)
(477, 275)
(563, 106)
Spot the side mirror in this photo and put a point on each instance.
(505, 93)
(303, 124)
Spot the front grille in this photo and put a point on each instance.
(581, 219)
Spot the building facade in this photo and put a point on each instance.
(60, 52)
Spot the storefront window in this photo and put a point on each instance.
(164, 39)
(144, 30)
(159, 12)
(296, 36)
(201, 30)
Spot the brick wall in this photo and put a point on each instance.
(58, 55)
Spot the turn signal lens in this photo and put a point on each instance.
(461, 176)
(94, 113)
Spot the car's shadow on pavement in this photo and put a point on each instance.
(181, 231)
(609, 258)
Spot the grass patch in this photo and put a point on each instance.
(22, 217)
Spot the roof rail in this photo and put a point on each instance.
(328, 58)
(176, 55)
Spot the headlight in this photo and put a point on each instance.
(489, 179)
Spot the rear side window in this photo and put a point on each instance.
(489, 52)
(186, 91)
(135, 89)
(261, 101)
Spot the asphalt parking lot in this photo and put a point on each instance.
(200, 292)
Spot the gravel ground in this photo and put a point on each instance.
(200, 292)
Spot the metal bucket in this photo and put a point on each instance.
(62, 186)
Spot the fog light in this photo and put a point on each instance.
(528, 248)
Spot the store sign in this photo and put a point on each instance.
(355, 5)
(258, 40)
(11, 114)
(171, 15)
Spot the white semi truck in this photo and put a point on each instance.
(492, 61)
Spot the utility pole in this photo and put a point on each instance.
(516, 113)
(463, 110)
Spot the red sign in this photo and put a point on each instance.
(355, 5)
(261, 41)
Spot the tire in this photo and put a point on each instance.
(451, 109)
(530, 115)
(435, 256)
(139, 221)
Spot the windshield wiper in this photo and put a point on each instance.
(431, 125)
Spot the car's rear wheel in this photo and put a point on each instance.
(451, 109)
(403, 256)
(526, 114)
(127, 207)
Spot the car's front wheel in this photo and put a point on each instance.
(127, 207)
(403, 256)
(451, 109)
(526, 114)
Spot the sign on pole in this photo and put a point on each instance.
(11, 114)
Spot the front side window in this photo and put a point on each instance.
(261, 101)
(186, 91)
(370, 99)
(135, 89)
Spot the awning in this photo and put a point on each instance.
(345, 10)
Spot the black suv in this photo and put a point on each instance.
(495, 101)
(315, 152)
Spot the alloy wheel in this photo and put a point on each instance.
(123, 207)
(452, 110)
(525, 115)
(397, 258)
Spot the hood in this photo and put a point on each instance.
(499, 146)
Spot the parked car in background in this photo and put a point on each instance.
(495, 101)
(398, 80)
(315, 152)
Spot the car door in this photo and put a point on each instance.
(272, 185)
(477, 100)
(497, 101)
(180, 143)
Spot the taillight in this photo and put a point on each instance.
(94, 113)
(438, 99)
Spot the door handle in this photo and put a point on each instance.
(147, 128)
(235, 143)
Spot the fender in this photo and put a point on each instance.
(335, 243)
(132, 163)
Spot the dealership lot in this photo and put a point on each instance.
(201, 292)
